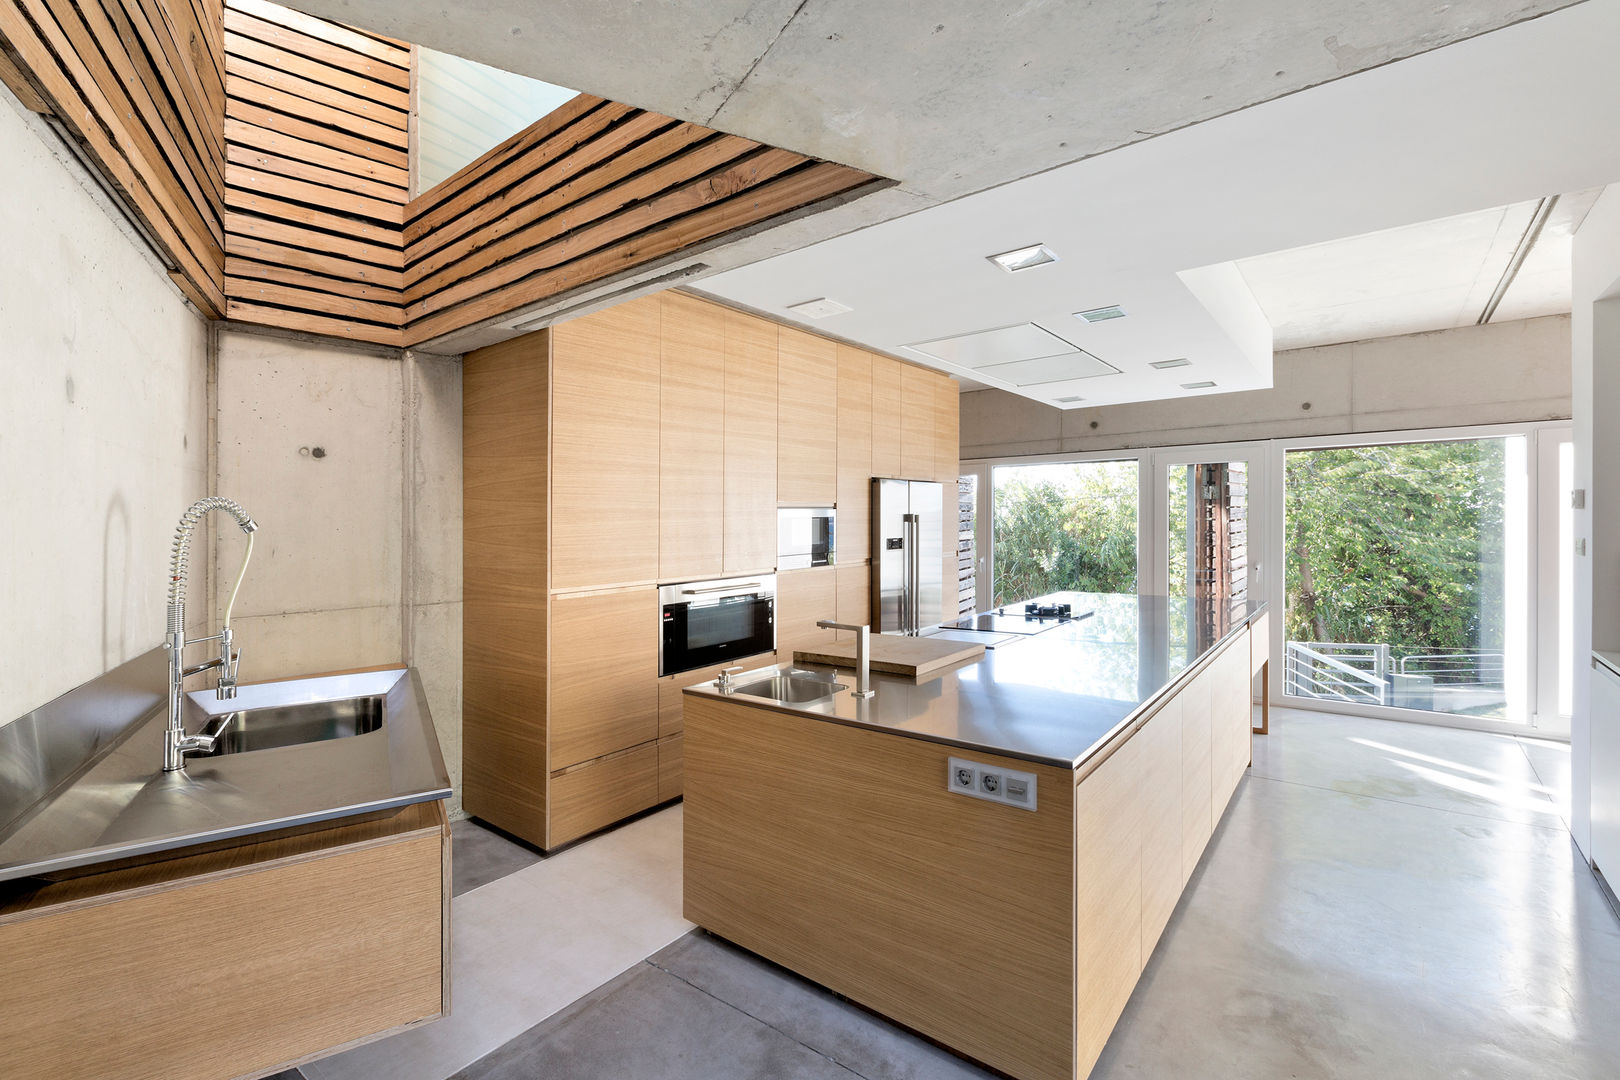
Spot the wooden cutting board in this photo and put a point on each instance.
(895, 654)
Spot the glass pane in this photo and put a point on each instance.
(1208, 519)
(465, 109)
(967, 572)
(1407, 576)
(1063, 526)
(1566, 580)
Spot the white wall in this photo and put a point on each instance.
(349, 458)
(1497, 373)
(1595, 353)
(103, 425)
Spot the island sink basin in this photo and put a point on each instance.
(291, 725)
(791, 688)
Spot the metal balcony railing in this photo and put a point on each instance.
(1343, 671)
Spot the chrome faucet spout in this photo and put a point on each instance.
(863, 654)
(176, 743)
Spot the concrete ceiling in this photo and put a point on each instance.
(946, 98)
(1435, 275)
(1161, 227)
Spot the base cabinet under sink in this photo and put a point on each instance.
(232, 963)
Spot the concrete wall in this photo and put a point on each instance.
(103, 425)
(350, 460)
(1595, 359)
(1477, 375)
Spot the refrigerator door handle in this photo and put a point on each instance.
(913, 574)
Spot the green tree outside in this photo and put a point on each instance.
(1064, 527)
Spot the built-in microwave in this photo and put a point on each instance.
(714, 622)
(805, 537)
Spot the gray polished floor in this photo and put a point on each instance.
(480, 855)
(1383, 901)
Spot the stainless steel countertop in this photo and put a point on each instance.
(1610, 660)
(114, 801)
(1053, 698)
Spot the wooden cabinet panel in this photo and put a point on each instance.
(854, 597)
(1161, 821)
(1195, 775)
(886, 416)
(670, 698)
(802, 597)
(604, 671)
(598, 793)
(947, 420)
(750, 443)
(1108, 831)
(669, 768)
(691, 436)
(854, 455)
(807, 420)
(604, 445)
(1231, 721)
(916, 423)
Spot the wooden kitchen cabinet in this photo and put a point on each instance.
(917, 423)
(807, 419)
(854, 596)
(1231, 716)
(947, 423)
(854, 455)
(802, 598)
(1161, 821)
(597, 793)
(750, 444)
(604, 447)
(670, 771)
(604, 667)
(1197, 821)
(692, 440)
(886, 416)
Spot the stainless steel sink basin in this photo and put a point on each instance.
(290, 725)
(795, 689)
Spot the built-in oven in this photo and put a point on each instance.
(805, 537)
(715, 622)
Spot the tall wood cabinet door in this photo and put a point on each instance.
(854, 456)
(854, 596)
(604, 674)
(750, 450)
(802, 598)
(1107, 896)
(886, 416)
(1196, 823)
(947, 425)
(604, 447)
(692, 439)
(916, 423)
(807, 420)
(1161, 821)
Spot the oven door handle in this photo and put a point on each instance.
(722, 588)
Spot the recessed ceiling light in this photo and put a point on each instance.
(1071, 399)
(1102, 314)
(819, 308)
(1024, 258)
(1165, 364)
(1197, 385)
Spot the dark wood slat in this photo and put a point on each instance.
(237, 267)
(575, 223)
(478, 174)
(388, 52)
(248, 291)
(573, 243)
(811, 184)
(257, 52)
(12, 75)
(238, 22)
(383, 226)
(250, 112)
(604, 160)
(381, 122)
(283, 319)
(299, 260)
(283, 232)
(249, 158)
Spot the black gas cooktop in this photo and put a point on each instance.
(1024, 619)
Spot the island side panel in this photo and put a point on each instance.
(838, 852)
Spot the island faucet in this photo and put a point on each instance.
(863, 654)
(176, 743)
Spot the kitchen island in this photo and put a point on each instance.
(989, 854)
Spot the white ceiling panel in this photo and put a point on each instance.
(1069, 366)
(1004, 345)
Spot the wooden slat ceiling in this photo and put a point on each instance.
(271, 161)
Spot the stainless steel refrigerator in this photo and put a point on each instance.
(908, 522)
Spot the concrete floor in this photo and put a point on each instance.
(1383, 901)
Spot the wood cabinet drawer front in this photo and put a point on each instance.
(604, 670)
(598, 793)
(671, 700)
(671, 752)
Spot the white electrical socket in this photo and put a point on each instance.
(990, 783)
